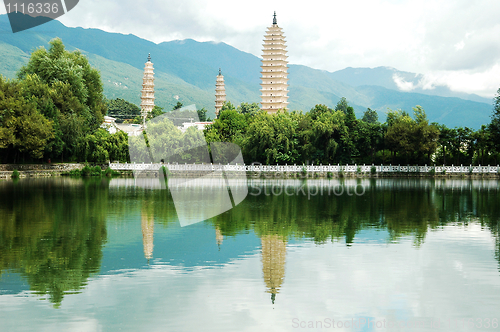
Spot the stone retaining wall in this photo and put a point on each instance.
(40, 170)
(41, 167)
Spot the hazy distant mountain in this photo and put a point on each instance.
(186, 70)
(388, 77)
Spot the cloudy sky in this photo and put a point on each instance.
(453, 42)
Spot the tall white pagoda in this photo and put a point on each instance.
(220, 93)
(274, 70)
(148, 90)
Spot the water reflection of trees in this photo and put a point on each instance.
(403, 207)
(52, 232)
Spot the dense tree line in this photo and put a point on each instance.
(335, 136)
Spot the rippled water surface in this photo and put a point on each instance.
(357, 255)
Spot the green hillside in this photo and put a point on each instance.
(12, 59)
(186, 70)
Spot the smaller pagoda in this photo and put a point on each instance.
(148, 90)
(220, 93)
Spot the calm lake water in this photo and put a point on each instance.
(357, 255)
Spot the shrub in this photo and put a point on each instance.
(358, 170)
(341, 173)
(86, 171)
(74, 172)
(15, 174)
(329, 175)
(96, 171)
(432, 171)
(373, 170)
(304, 171)
(110, 172)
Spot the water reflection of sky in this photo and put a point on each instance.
(201, 286)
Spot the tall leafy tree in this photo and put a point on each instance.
(66, 91)
(273, 138)
(72, 69)
(370, 116)
(349, 140)
(23, 128)
(494, 126)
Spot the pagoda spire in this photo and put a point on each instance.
(274, 86)
(220, 93)
(148, 90)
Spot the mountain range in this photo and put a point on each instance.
(186, 70)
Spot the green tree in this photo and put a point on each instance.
(326, 136)
(72, 69)
(250, 109)
(412, 140)
(202, 114)
(230, 126)
(156, 111)
(273, 138)
(67, 91)
(445, 140)
(494, 126)
(23, 128)
(399, 138)
(370, 140)
(177, 106)
(425, 136)
(122, 109)
(349, 140)
(370, 116)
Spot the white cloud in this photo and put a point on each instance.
(402, 84)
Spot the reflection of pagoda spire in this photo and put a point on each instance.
(147, 225)
(273, 262)
(218, 236)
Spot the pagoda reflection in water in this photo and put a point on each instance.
(147, 226)
(273, 262)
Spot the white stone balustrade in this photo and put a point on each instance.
(309, 168)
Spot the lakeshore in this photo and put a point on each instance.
(256, 171)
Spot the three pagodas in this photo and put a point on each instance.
(274, 86)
